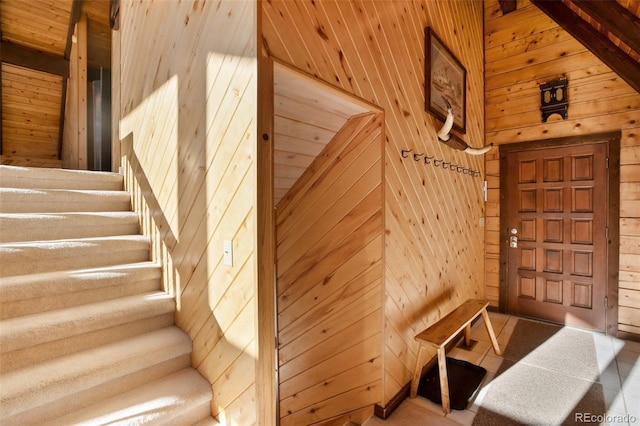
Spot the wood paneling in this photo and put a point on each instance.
(524, 49)
(38, 24)
(30, 116)
(189, 132)
(39, 32)
(75, 136)
(329, 269)
(433, 253)
(307, 116)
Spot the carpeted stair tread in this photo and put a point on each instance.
(182, 398)
(59, 255)
(16, 227)
(36, 329)
(32, 293)
(82, 379)
(24, 200)
(36, 177)
(87, 335)
(207, 421)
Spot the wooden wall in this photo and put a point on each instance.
(188, 108)
(329, 286)
(433, 257)
(30, 98)
(523, 49)
(30, 126)
(75, 133)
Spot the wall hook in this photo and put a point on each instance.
(405, 153)
(416, 157)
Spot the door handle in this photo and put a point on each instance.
(513, 239)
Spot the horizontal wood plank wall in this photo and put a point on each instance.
(188, 124)
(524, 49)
(30, 117)
(329, 269)
(434, 244)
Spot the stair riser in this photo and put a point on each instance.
(20, 259)
(43, 352)
(190, 404)
(87, 377)
(55, 201)
(65, 403)
(33, 330)
(63, 296)
(24, 177)
(195, 414)
(63, 226)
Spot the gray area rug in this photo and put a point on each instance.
(549, 374)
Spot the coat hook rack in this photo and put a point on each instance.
(437, 162)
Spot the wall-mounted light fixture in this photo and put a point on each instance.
(554, 98)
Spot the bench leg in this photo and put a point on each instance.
(492, 336)
(444, 380)
(467, 335)
(417, 372)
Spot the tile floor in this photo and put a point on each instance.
(618, 360)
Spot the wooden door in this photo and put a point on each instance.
(556, 222)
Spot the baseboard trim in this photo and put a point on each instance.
(628, 336)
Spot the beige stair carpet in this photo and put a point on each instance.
(86, 332)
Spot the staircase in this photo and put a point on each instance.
(86, 334)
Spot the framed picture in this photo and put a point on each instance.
(445, 78)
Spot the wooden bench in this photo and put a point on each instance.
(441, 333)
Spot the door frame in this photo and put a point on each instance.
(612, 140)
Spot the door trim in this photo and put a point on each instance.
(613, 219)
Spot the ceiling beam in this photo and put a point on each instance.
(74, 17)
(600, 45)
(30, 58)
(615, 18)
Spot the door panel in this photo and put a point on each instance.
(557, 215)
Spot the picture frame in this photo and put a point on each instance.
(445, 77)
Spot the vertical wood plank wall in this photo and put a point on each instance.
(434, 244)
(523, 49)
(74, 138)
(188, 111)
(329, 268)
